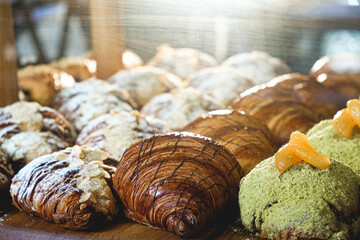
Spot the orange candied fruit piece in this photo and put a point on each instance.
(285, 158)
(304, 150)
(299, 149)
(354, 108)
(343, 123)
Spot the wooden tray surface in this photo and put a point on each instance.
(21, 226)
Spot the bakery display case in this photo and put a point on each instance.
(157, 119)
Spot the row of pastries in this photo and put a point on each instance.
(148, 144)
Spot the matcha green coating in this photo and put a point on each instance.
(303, 202)
(324, 139)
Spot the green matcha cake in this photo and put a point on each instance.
(304, 202)
(324, 139)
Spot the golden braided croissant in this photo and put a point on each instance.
(6, 173)
(177, 182)
(28, 131)
(244, 136)
(70, 187)
(288, 103)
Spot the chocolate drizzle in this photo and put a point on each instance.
(177, 182)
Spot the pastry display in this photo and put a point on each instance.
(177, 182)
(336, 64)
(179, 107)
(90, 99)
(303, 201)
(71, 187)
(144, 83)
(28, 131)
(244, 136)
(81, 68)
(181, 61)
(288, 103)
(40, 83)
(6, 173)
(116, 131)
(223, 84)
(259, 67)
(339, 137)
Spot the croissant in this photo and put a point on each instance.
(257, 66)
(177, 182)
(88, 100)
(336, 64)
(346, 86)
(288, 103)
(181, 61)
(70, 187)
(144, 83)
(41, 83)
(116, 131)
(179, 107)
(6, 173)
(28, 131)
(244, 136)
(81, 68)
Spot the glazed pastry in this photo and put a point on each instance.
(181, 61)
(223, 84)
(89, 87)
(90, 99)
(177, 182)
(304, 202)
(81, 68)
(179, 107)
(259, 67)
(6, 173)
(41, 83)
(288, 103)
(28, 131)
(70, 187)
(336, 64)
(144, 83)
(244, 136)
(116, 131)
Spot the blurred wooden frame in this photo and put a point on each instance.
(107, 42)
(8, 65)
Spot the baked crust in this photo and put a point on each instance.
(244, 136)
(28, 131)
(291, 102)
(177, 182)
(70, 187)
